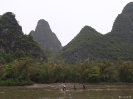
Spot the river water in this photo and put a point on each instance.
(55, 92)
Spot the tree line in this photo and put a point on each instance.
(29, 71)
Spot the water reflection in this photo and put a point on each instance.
(92, 91)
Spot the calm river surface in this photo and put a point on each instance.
(55, 92)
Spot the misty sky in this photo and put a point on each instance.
(65, 17)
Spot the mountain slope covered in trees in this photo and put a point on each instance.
(20, 56)
(91, 45)
(45, 37)
(14, 44)
(84, 46)
(19, 53)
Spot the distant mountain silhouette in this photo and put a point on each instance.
(14, 43)
(45, 37)
(91, 45)
(123, 25)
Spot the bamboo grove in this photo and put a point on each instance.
(28, 71)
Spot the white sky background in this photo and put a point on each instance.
(65, 17)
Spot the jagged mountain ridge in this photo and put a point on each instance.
(88, 44)
(128, 9)
(45, 37)
(9, 31)
(123, 25)
(13, 40)
(118, 44)
(79, 48)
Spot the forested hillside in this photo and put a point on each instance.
(90, 57)
(121, 35)
(45, 37)
(16, 46)
(14, 43)
(91, 45)
(85, 46)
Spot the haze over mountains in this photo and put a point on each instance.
(40, 58)
(87, 45)
(45, 37)
(91, 45)
(14, 44)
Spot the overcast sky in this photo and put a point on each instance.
(65, 17)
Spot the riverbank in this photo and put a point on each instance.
(71, 85)
(54, 91)
(68, 85)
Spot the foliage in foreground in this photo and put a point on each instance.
(25, 72)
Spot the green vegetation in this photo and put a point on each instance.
(15, 46)
(89, 58)
(86, 45)
(27, 71)
(90, 45)
(14, 43)
(45, 37)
